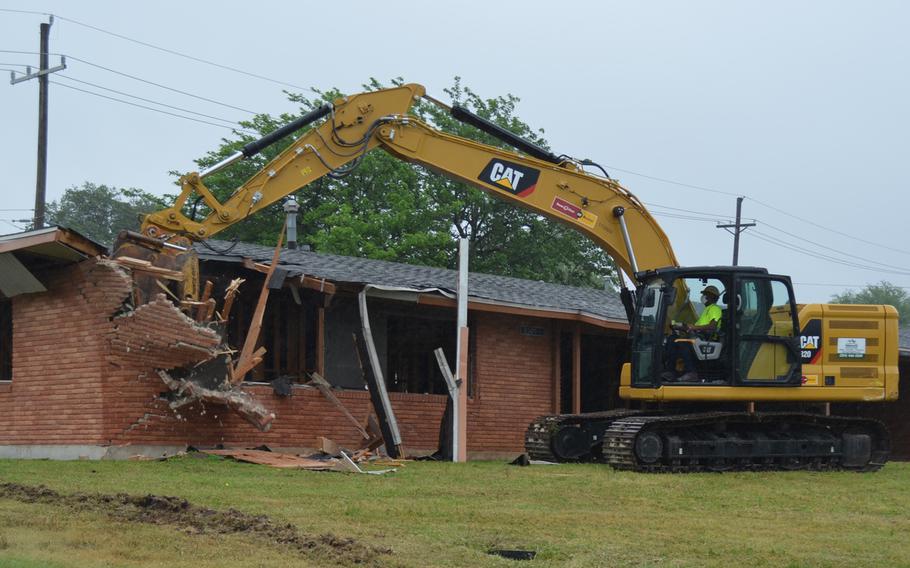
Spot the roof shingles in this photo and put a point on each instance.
(502, 289)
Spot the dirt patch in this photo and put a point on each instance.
(164, 510)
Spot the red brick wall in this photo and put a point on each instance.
(58, 358)
(73, 385)
(514, 381)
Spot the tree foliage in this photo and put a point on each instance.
(390, 210)
(100, 212)
(881, 293)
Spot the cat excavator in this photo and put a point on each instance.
(766, 348)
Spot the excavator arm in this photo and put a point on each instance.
(551, 186)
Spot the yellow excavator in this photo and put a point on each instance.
(764, 347)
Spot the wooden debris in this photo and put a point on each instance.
(273, 459)
(252, 335)
(326, 389)
(327, 446)
(167, 290)
(146, 266)
(203, 308)
(229, 294)
(239, 371)
(241, 402)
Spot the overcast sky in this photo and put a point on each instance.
(800, 106)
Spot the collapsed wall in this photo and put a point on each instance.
(86, 365)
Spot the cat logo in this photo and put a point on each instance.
(810, 342)
(514, 178)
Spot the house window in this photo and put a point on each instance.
(6, 340)
(288, 334)
(411, 363)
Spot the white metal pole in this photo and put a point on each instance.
(460, 402)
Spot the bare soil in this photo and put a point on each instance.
(193, 519)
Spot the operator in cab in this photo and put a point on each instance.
(681, 348)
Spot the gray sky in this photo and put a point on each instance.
(801, 106)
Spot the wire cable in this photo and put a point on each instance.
(772, 240)
(664, 180)
(184, 55)
(159, 48)
(135, 78)
(845, 285)
(835, 231)
(834, 250)
(150, 108)
(61, 75)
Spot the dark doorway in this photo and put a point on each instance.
(602, 356)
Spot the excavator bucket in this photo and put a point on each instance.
(159, 266)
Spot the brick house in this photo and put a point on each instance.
(78, 363)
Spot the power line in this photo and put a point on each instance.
(135, 78)
(788, 246)
(803, 239)
(184, 55)
(664, 180)
(835, 231)
(715, 216)
(26, 12)
(844, 285)
(149, 108)
(762, 203)
(160, 86)
(162, 49)
(147, 100)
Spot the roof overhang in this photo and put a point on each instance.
(21, 254)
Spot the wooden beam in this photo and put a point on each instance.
(320, 341)
(576, 369)
(146, 266)
(326, 389)
(557, 368)
(203, 309)
(252, 335)
(318, 284)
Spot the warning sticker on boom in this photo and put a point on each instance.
(584, 217)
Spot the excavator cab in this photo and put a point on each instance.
(754, 342)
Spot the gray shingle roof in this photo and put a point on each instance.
(499, 289)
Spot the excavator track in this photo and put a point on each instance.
(730, 441)
(571, 437)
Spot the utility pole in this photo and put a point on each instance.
(43, 72)
(738, 228)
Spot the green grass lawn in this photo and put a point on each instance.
(439, 514)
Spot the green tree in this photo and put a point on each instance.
(881, 293)
(100, 212)
(390, 210)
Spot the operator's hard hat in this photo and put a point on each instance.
(712, 290)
